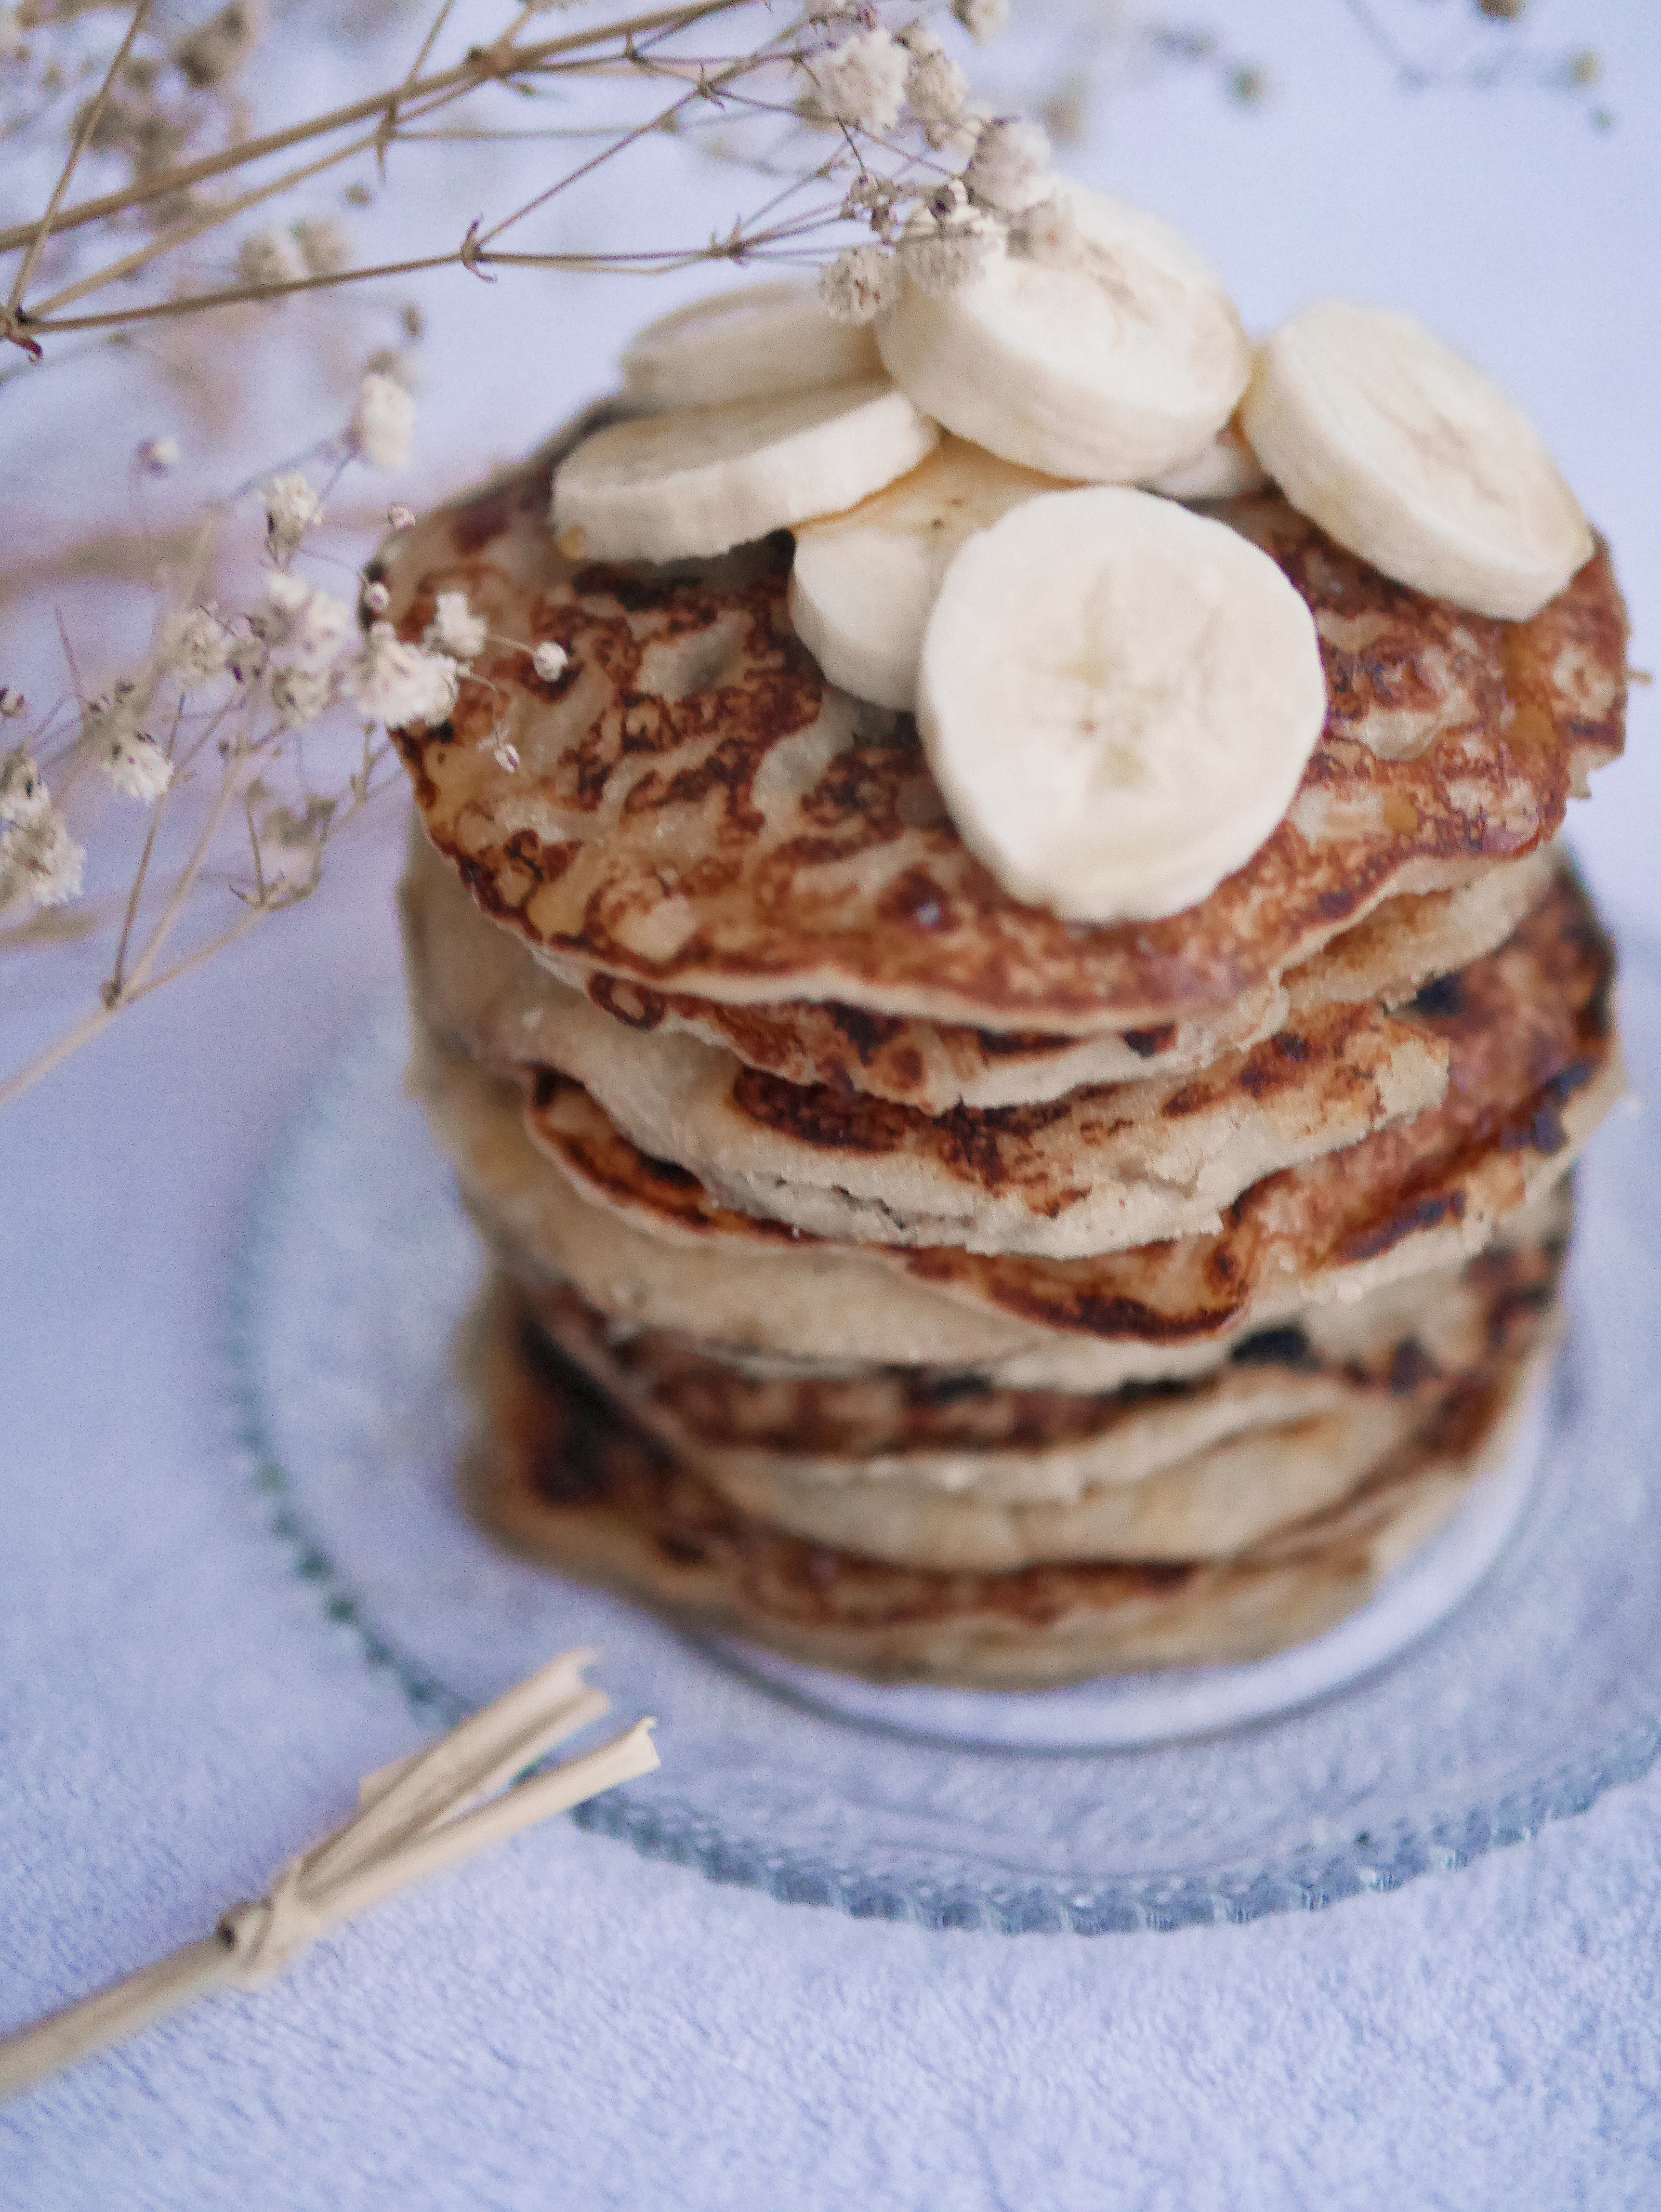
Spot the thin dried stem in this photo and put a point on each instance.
(482, 66)
(89, 121)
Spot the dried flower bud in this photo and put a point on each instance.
(12, 704)
(301, 626)
(157, 456)
(859, 284)
(936, 91)
(505, 755)
(322, 245)
(383, 422)
(400, 516)
(396, 683)
(41, 864)
(455, 629)
(863, 81)
(269, 257)
(291, 509)
(376, 599)
(291, 847)
(136, 765)
(1009, 169)
(199, 649)
(551, 661)
(300, 695)
(221, 47)
(983, 19)
(23, 794)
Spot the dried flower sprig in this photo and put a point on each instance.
(207, 736)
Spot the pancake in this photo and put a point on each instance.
(487, 994)
(940, 1434)
(1101, 1169)
(1534, 1066)
(557, 1475)
(695, 810)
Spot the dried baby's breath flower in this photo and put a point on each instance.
(936, 90)
(383, 422)
(269, 257)
(455, 629)
(505, 755)
(1009, 170)
(23, 794)
(12, 704)
(221, 47)
(291, 847)
(859, 284)
(157, 456)
(873, 198)
(300, 626)
(300, 695)
(983, 19)
(197, 649)
(136, 765)
(322, 245)
(41, 864)
(291, 508)
(396, 683)
(551, 661)
(863, 81)
(399, 516)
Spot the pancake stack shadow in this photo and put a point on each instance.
(922, 1286)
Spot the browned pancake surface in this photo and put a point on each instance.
(696, 811)
(680, 1387)
(1532, 1064)
(557, 1473)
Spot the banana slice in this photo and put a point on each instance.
(1095, 343)
(1413, 460)
(665, 487)
(756, 344)
(863, 582)
(1226, 469)
(1118, 699)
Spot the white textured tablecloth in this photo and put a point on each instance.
(567, 2024)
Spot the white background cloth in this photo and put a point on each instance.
(567, 2024)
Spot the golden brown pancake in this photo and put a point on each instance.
(1103, 1169)
(695, 810)
(484, 992)
(1534, 1067)
(951, 1433)
(557, 1475)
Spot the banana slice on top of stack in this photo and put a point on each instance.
(1118, 696)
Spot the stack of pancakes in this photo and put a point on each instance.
(923, 1286)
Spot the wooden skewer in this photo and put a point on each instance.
(414, 1818)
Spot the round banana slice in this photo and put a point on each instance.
(665, 487)
(1226, 469)
(863, 582)
(1119, 698)
(757, 342)
(1413, 460)
(1094, 342)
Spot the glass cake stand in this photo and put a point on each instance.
(1505, 1679)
